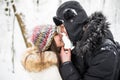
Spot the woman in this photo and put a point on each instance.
(41, 60)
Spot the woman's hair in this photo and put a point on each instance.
(53, 47)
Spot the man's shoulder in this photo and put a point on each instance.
(107, 46)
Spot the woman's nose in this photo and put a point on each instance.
(60, 34)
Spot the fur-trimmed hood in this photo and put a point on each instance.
(51, 73)
(95, 32)
(33, 61)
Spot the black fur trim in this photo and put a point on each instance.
(96, 31)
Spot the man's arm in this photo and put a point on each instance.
(101, 68)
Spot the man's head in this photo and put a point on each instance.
(74, 17)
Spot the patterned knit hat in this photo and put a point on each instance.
(42, 36)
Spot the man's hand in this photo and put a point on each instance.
(65, 55)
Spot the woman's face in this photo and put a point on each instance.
(62, 29)
(58, 40)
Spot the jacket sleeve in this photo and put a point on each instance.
(68, 71)
(100, 68)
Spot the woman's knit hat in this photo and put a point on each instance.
(42, 36)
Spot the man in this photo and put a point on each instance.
(94, 56)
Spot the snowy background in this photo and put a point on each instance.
(36, 12)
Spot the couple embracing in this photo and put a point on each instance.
(93, 56)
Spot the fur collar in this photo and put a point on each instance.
(51, 73)
(33, 61)
(95, 32)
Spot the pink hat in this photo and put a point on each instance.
(42, 36)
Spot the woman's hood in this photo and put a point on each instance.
(33, 61)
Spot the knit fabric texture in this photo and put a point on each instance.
(42, 36)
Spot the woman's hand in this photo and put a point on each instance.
(65, 55)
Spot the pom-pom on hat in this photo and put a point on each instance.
(42, 36)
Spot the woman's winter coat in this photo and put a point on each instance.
(41, 66)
